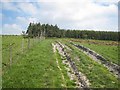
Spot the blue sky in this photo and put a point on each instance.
(99, 15)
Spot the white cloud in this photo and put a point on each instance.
(72, 14)
(107, 1)
(99, 1)
(27, 8)
(79, 14)
(21, 20)
(21, 24)
(5, 0)
(24, 22)
(21, 7)
(11, 29)
(9, 6)
(16, 0)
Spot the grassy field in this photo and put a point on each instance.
(108, 49)
(37, 67)
(18, 46)
(98, 75)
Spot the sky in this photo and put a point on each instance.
(98, 15)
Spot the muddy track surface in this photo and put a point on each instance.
(113, 68)
(63, 78)
(82, 81)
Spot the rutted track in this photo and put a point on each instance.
(114, 68)
(82, 81)
(54, 50)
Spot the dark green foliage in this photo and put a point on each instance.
(99, 35)
(36, 30)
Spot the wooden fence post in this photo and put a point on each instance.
(28, 42)
(33, 42)
(36, 39)
(22, 45)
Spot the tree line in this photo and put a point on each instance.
(37, 29)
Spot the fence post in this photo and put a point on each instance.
(10, 54)
(28, 42)
(22, 45)
(36, 39)
(32, 42)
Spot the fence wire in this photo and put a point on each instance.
(12, 51)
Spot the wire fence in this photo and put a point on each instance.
(12, 51)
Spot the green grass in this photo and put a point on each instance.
(110, 52)
(17, 48)
(98, 75)
(37, 67)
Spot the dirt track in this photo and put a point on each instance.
(114, 68)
